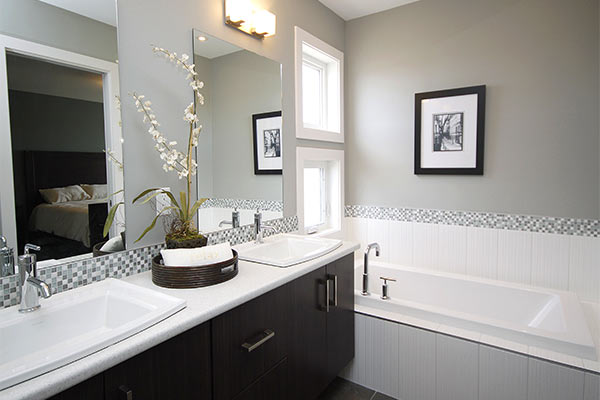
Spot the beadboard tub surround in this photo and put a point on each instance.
(411, 363)
(68, 276)
(555, 253)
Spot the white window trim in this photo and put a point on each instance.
(110, 81)
(302, 132)
(306, 155)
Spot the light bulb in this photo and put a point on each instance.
(238, 12)
(263, 23)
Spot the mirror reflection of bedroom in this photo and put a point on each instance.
(59, 159)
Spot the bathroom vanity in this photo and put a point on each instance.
(271, 333)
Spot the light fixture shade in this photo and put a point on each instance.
(238, 11)
(264, 23)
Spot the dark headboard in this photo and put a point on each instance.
(50, 169)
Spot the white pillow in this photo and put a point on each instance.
(96, 191)
(64, 194)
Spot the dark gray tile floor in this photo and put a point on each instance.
(341, 389)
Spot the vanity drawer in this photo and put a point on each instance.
(248, 341)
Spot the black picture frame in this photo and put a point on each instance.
(255, 131)
(480, 91)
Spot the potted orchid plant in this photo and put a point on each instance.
(181, 231)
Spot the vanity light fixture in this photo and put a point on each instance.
(243, 15)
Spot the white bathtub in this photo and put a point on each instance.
(531, 316)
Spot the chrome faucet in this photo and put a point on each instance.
(384, 287)
(235, 220)
(365, 291)
(259, 227)
(31, 286)
(7, 258)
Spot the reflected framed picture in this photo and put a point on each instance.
(449, 131)
(267, 136)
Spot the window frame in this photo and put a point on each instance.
(332, 127)
(332, 164)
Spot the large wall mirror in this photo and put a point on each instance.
(60, 136)
(240, 147)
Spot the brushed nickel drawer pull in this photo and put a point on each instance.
(126, 393)
(259, 340)
(333, 278)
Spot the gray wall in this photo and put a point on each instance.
(243, 84)
(60, 123)
(42, 23)
(35, 76)
(539, 60)
(204, 151)
(170, 24)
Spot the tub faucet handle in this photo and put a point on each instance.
(384, 287)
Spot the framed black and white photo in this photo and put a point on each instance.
(267, 133)
(449, 131)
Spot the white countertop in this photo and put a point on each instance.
(203, 304)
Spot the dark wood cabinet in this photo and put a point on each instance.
(340, 319)
(271, 386)
(289, 343)
(249, 340)
(176, 369)
(308, 371)
(91, 389)
(323, 327)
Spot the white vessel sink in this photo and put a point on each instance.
(287, 250)
(74, 324)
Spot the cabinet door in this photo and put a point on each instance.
(91, 389)
(249, 340)
(132, 379)
(176, 369)
(271, 386)
(340, 319)
(308, 358)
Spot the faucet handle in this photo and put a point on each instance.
(384, 288)
(386, 280)
(33, 247)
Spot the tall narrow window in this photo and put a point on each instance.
(319, 89)
(319, 189)
(314, 197)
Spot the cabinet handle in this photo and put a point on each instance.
(126, 393)
(333, 278)
(259, 340)
(327, 295)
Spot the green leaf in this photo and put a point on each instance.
(149, 228)
(110, 218)
(197, 206)
(145, 192)
(184, 207)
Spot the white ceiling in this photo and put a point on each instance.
(350, 9)
(100, 10)
(212, 47)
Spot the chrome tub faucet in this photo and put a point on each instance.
(31, 286)
(365, 291)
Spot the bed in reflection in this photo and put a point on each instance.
(63, 204)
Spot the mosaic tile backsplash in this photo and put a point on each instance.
(244, 204)
(528, 223)
(83, 272)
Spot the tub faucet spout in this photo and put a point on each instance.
(365, 291)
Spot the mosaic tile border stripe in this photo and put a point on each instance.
(245, 204)
(83, 272)
(529, 223)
